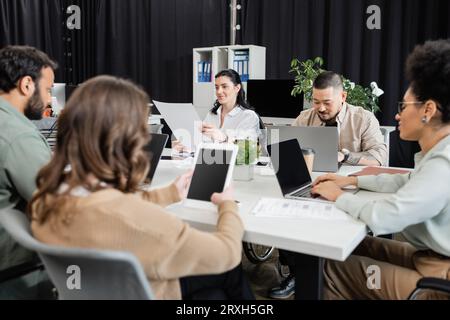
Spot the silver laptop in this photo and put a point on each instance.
(291, 170)
(323, 140)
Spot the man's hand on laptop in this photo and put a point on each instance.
(340, 181)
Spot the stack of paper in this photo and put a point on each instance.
(287, 208)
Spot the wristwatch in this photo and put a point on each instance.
(225, 140)
(346, 154)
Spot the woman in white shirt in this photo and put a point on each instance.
(231, 117)
(419, 205)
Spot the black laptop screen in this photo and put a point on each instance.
(289, 165)
(155, 148)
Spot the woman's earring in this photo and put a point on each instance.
(424, 120)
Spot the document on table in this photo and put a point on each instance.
(287, 208)
(374, 171)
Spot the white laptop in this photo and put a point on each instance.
(213, 172)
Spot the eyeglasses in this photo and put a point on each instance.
(402, 105)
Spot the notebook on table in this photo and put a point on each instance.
(374, 171)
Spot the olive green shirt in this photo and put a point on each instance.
(23, 151)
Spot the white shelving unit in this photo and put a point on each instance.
(252, 65)
(202, 86)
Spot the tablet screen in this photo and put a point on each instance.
(210, 173)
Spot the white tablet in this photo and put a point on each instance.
(213, 171)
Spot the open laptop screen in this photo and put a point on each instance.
(323, 140)
(155, 148)
(289, 165)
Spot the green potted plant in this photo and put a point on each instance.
(306, 71)
(246, 158)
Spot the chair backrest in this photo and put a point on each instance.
(401, 152)
(441, 288)
(386, 139)
(155, 128)
(49, 129)
(82, 273)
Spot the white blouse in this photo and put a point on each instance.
(239, 123)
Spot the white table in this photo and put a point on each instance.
(313, 239)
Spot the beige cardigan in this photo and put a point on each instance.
(167, 247)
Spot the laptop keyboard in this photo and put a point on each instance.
(305, 193)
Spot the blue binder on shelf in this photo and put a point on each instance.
(208, 71)
(200, 71)
(240, 63)
(204, 71)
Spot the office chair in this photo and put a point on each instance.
(256, 253)
(155, 128)
(386, 134)
(48, 127)
(20, 270)
(82, 273)
(436, 284)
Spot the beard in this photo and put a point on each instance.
(327, 118)
(35, 107)
(328, 121)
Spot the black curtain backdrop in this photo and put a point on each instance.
(336, 30)
(36, 23)
(147, 41)
(81, 45)
(151, 41)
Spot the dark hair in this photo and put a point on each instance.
(428, 71)
(328, 79)
(17, 62)
(240, 100)
(236, 79)
(102, 132)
